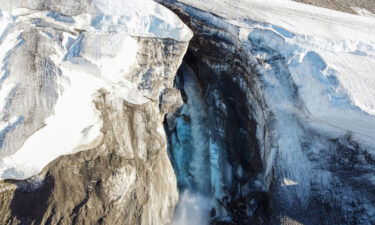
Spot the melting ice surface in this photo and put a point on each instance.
(193, 156)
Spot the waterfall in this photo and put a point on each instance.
(195, 155)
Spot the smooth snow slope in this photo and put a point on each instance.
(55, 58)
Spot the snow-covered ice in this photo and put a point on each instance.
(53, 63)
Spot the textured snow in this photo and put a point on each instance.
(95, 50)
(143, 18)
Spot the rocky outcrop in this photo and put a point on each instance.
(126, 179)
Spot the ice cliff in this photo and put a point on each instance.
(266, 113)
(287, 96)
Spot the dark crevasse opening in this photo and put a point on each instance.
(214, 149)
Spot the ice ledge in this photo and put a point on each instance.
(143, 18)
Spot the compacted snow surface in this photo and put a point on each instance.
(47, 109)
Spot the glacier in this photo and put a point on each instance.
(266, 113)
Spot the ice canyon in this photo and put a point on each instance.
(187, 112)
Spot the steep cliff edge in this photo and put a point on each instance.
(276, 124)
(92, 79)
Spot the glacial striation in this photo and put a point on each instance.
(84, 88)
